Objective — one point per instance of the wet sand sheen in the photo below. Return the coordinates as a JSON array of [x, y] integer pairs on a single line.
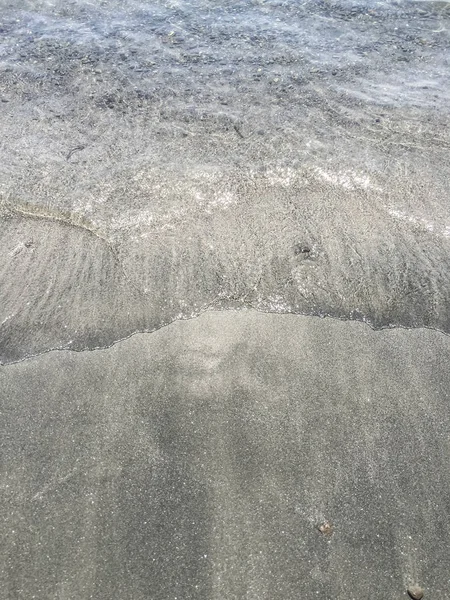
[[201, 461], [286, 241]]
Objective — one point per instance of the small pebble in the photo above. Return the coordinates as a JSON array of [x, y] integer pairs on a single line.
[[326, 528], [415, 592]]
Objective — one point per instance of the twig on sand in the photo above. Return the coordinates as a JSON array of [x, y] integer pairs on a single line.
[[76, 149], [238, 131]]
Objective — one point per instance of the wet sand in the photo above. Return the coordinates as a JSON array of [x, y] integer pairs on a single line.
[[201, 460], [185, 190]]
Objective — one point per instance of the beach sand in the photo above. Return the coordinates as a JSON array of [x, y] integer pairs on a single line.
[[224, 299], [202, 460]]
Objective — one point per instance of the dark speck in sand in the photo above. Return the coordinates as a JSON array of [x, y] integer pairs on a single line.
[[303, 249]]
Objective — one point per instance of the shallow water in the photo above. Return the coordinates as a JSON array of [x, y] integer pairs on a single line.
[[190, 149]]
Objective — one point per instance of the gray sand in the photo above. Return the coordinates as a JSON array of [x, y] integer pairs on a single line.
[[199, 462], [185, 188]]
